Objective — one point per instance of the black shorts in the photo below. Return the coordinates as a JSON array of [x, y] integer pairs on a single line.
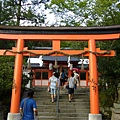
[[62, 82], [70, 90]]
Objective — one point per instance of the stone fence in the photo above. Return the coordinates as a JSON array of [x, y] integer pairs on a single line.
[[116, 107]]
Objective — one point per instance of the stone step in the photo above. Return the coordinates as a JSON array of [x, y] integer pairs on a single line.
[[79, 90], [62, 96], [63, 106], [61, 118], [65, 110], [85, 98], [77, 109], [63, 114], [62, 100], [61, 92], [44, 87], [63, 103]]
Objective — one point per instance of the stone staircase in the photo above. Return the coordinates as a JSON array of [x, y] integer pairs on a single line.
[[77, 109]]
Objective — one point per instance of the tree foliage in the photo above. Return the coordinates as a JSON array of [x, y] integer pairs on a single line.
[[86, 12], [6, 74], [23, 12]]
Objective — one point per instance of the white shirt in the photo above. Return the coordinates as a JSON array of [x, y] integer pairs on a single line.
[[71, 82], [76, 76], [53, 80]]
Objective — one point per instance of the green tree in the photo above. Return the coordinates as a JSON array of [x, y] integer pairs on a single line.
[[86, 12], [23, 12], [105, 13], [6, 80]]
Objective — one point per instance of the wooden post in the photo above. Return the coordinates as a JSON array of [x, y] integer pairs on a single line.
[[94, 100], [56, 45], [16, 87]]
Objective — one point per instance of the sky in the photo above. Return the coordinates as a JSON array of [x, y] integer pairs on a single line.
[[50, 17]]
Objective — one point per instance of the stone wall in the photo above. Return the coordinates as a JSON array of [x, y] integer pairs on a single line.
[[116, 107], [115, 112]]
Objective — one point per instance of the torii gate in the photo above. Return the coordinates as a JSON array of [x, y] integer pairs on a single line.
[[56, 35]]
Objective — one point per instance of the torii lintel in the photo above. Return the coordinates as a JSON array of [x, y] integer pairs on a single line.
[[84, 52]]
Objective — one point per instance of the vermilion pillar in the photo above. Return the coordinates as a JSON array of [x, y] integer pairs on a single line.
[[16, 87], [56, 45], [94, 100]]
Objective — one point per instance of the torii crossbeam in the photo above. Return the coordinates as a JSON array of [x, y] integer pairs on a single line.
[[56, 35]]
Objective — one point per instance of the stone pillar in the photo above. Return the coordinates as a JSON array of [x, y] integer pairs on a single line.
[[116, 107], [95, 117], [115, 111], [118, 100], [13, 116]]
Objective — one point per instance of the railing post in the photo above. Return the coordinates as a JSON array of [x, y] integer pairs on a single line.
[[57, 104]]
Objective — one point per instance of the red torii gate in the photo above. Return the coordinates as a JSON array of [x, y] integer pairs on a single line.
[[62, 34]]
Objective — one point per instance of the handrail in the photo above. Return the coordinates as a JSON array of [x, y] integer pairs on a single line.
[[57, 103]]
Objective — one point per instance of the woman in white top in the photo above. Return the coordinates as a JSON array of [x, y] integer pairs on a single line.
[[76, 76], [53, 82]]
